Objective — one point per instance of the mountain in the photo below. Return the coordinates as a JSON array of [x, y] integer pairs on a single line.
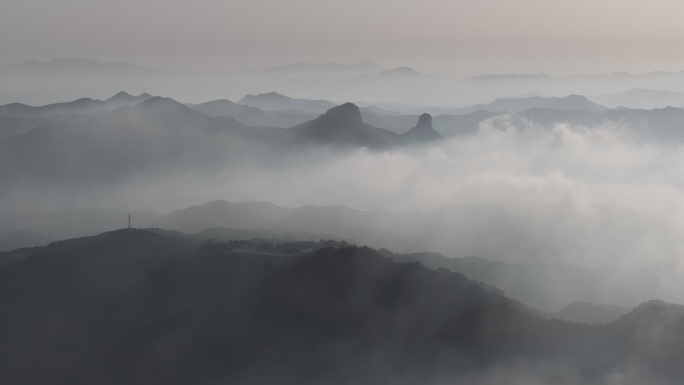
[[154, 137], [661, 125], [513, 105], [125, 99], [79, 106], [276, 102], [591, 313], [399, 72], [74, 223], [252, 116], [343, 125], [10, 126], [22, 238], [650, 349], [135, 305], [639, 98], [423, 131], [573, 102], [242, 215], [545, 285]]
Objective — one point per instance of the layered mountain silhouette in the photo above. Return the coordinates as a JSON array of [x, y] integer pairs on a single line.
[[423, 131], [649, 342], [253, 116], [12, 240], [80, 106], [343, 125], [134, 306], [590, 313], [161, 135], [274, 101], [571, 102], [639, 98]]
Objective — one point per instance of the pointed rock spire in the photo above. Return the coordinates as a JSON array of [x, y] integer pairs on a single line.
[[423, 131]]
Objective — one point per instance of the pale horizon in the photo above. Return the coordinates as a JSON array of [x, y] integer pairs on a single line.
[[461, 38]]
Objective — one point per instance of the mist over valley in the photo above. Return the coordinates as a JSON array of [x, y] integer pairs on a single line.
[[321, 192]]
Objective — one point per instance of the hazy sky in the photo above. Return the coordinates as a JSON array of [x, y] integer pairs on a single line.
[[459, 36]]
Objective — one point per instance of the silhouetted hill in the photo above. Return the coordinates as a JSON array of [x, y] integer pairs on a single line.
[[640, 98], [513, 105], [253, 116], [243, 215], [131, 306], [274, 101], [222, 234], [342, 125], [80, 106], [574, 102], [22, 238], [74, 223], [399, 72], [649, 345], [591, 313], [125, 99], [10, 126], [422, 132], [158, 135]]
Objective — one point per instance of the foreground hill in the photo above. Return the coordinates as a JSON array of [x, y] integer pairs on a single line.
[[99, 309], [136, 306], [650, 339]]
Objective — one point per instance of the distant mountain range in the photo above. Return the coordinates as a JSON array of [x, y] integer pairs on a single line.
[[276, 102], [127, 136], [571, 102], [164, 135], [545, 285], [41, 82], [643, 99], [80, 106]]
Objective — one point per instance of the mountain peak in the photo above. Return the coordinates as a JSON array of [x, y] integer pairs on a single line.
[[347, 114], [267, 96], [423, 131], [159, 100], [164, 104], [425, 120], [123, 95], [399, 72], [576, 98]]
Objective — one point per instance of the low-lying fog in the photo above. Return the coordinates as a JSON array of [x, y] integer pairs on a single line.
[[514, 191]]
